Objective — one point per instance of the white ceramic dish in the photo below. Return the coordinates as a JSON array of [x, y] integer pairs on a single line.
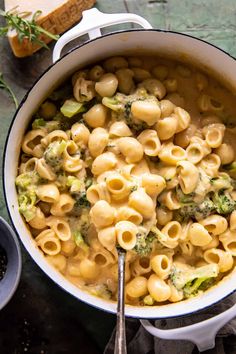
[[117, 43]]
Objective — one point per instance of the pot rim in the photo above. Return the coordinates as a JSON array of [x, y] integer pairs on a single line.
[[99, 307]]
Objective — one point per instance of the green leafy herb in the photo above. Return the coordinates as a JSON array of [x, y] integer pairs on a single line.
[[25, 28], [6, 87]]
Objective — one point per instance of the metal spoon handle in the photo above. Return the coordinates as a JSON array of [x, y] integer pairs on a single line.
[[120, 342]]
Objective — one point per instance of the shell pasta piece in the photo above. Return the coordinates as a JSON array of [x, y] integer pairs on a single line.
[[171, 153], [64, 205], [198, 235], [107, 237], [223, 259], [103, 163], [148, 112], [131, 149], [140, 201], [137, 287], [32, 142], [39, 220], [48, 242], [117, 186], [161, 265], [60, 227], [150, 141], [48, 193], [102, 214], [126, 233], [158, 289]]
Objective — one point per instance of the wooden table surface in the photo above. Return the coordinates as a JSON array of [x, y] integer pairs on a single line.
[[41, 318]]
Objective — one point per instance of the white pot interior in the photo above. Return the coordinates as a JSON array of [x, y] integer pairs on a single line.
[[153, 42]]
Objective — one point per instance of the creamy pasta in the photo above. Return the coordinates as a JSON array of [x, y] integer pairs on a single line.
[[138, 153]]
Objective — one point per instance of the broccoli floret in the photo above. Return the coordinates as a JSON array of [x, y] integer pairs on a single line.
[[148, 300], [144, 243], [204, 209], [195, 211], [27, 203], [193, 280], [38, 123], [80, 232], [100, 290], [231, 169], [223, 202], [220, 202], [53, 154], [88, 182], [63, 122], [79, 240], [74, 184], [184, 199], [221, 182], [28, 181], [122, 104], [114, 103], [53, 125], [72, 107], [134, 124], [81, 200], [23, 181]]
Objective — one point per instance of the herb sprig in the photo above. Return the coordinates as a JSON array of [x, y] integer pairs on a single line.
[[26, 29], [6, 87]]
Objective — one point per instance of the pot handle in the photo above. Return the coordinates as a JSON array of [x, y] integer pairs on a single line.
[[92, 21], [202, 334]]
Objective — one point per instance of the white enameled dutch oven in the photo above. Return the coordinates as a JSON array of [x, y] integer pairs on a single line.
[[145, 40]]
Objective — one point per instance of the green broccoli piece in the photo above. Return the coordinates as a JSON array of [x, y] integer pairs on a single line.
[[195, 211], [74, 184], [133, 124], [81, 203], [144, 243], [27, 203], [231, 169], [38, 123], [223, 202], [122, 104], [53, 154], [100, 290], [79, 240], [193, 280], [72, 107], [204, 209], [184, 199], [222, 182], [28, 181], [148, 300], [63, 122], [114, 103], [81, 200], [52, 125], [88, 182], [23, 181]]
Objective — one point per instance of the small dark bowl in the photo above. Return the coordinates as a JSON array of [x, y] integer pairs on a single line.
[[10, 281]]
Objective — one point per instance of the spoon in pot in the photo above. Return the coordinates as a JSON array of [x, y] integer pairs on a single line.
[[120, 341]]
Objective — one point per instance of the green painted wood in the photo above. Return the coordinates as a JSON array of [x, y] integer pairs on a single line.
[[212, 20]]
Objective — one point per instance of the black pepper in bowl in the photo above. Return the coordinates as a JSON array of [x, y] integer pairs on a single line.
[[3, 262]]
